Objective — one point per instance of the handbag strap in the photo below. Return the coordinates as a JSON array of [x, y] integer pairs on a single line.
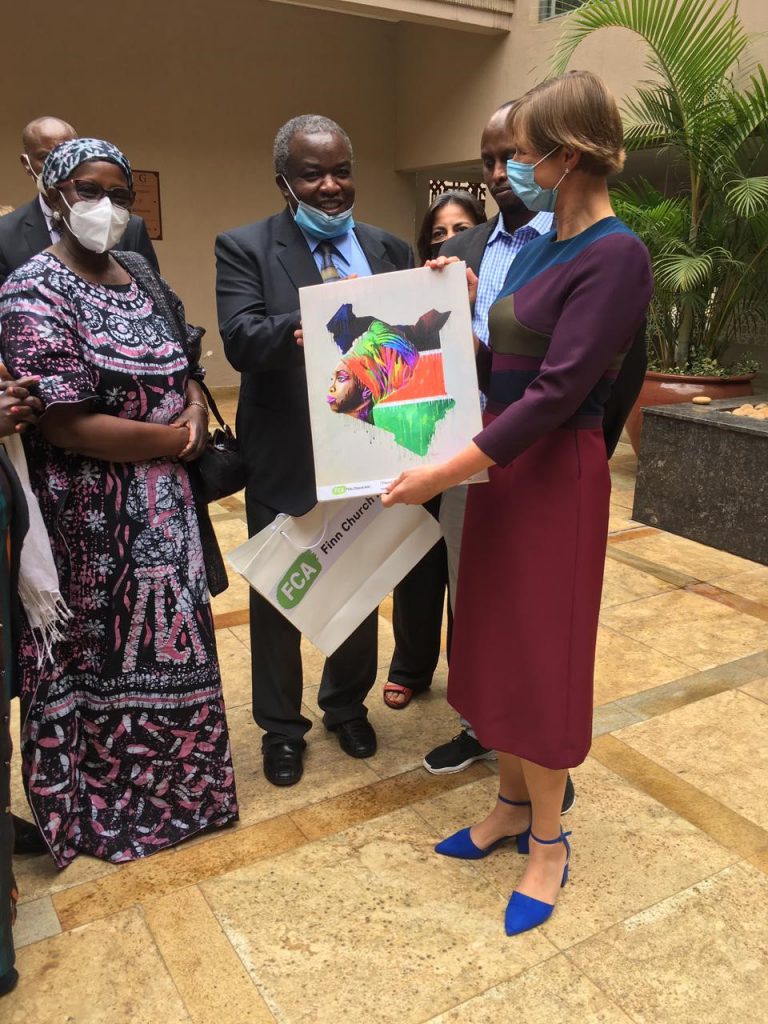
[[170, 308], [159, 291], [213, 407]]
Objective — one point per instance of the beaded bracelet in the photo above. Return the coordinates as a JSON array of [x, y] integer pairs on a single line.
[[201, 404]]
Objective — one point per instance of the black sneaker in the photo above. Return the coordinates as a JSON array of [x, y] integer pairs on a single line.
[[460, 753], [569, 798]]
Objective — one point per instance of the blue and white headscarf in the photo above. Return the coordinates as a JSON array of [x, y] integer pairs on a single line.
[[62, 160]]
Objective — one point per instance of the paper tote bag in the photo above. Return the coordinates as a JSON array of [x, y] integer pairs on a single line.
[[326, 571]]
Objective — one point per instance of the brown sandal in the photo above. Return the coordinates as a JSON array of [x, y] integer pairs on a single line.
[[406, 691]]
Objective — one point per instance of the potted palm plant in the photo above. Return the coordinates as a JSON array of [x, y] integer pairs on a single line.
[[706, 110]]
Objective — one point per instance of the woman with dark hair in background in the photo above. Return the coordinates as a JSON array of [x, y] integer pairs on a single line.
[[451, 213], [418, 601]]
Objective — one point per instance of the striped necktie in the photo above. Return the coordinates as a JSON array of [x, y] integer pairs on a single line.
[[328, 271]]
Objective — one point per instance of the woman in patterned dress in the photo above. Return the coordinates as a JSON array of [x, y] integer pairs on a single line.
[[534, 538], [124, 745]]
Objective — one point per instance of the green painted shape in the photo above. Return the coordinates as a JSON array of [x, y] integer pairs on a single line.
[[413, 424], [295, 584]]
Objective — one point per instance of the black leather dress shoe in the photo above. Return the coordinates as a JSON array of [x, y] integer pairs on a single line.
[[356, 737], [27, 838], [283, 762], [8, 981]]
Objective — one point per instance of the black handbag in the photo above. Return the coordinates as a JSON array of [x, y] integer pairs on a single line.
[[221, 468], [190, 337]]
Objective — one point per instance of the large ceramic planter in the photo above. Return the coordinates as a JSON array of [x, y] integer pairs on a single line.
[[670, 388], [699, 476]]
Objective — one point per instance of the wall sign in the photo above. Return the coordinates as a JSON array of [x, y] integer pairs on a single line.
[[146, 184]]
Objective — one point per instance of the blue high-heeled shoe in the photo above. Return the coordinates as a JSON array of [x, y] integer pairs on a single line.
[[524, 912], [460, 844]]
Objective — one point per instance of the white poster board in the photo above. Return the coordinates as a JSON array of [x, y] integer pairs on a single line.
[[390, 374]]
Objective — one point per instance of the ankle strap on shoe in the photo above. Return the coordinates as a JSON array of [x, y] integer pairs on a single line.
[[551, 842], [514, 803]]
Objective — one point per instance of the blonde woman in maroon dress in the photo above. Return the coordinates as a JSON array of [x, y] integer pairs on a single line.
[[534, 538]]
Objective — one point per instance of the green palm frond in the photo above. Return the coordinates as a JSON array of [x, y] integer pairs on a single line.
[[660, 221], [678, 33], [652, 119], [748, 196], [686, 272], [748, 113]]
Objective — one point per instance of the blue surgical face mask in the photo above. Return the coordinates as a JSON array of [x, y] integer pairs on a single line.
[[319, 224], [527, 189]]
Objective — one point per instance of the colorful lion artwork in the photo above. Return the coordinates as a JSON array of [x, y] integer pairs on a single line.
[[390, 376]]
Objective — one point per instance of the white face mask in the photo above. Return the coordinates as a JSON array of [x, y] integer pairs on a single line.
[[38, 177], [97, 224]]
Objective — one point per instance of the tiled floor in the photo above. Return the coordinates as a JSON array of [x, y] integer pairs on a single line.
[[326, 903]]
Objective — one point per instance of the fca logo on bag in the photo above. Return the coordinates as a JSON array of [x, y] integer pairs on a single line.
[[297, 581]]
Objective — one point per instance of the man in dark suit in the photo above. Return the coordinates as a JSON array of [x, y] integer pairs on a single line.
[[28, 230], [489, 250], [260, 268]]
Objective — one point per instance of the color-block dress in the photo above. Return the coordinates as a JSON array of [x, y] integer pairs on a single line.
[[534, 538], [124, 746]]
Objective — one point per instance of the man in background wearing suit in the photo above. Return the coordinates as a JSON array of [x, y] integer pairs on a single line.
[[29, 229], [489, 250], [260, 268]]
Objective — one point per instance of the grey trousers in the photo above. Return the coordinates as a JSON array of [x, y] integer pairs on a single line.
[[452, 505]]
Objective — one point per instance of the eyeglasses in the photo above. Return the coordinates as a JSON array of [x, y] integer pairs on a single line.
[[90, 190]]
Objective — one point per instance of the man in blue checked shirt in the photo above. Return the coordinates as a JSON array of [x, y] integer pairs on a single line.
[[489, 250]]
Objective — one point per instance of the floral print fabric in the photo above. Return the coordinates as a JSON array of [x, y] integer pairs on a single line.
[[124, 739]]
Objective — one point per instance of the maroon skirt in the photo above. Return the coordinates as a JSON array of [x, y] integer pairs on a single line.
[[528, 600]]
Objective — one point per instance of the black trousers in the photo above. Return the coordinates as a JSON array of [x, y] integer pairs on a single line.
[[7, 885], [417, 617], [276, 670]]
